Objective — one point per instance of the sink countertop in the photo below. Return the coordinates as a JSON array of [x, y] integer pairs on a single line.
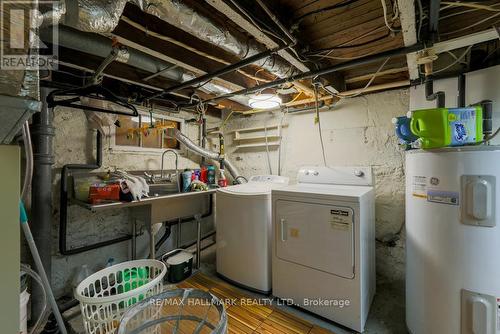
[[143, 201]]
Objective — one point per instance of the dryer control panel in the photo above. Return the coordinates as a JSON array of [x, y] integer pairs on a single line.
[[353, 176]]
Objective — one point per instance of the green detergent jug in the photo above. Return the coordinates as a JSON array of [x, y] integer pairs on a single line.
[[442, 127]]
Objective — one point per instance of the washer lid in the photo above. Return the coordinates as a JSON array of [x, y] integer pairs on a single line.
[[252, 188]]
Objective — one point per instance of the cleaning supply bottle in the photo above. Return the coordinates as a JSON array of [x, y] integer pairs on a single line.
[[222, 179], [403, 131], [442, 127]]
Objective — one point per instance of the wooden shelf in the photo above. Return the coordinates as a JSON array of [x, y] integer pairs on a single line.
[[259, 128], [258, 145], [257, 137]]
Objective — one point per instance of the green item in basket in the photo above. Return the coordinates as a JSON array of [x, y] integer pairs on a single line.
[[131, 279]]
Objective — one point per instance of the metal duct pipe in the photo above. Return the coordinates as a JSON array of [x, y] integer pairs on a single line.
[[175, 133], [100, 46], [43, 133], [102, 16]]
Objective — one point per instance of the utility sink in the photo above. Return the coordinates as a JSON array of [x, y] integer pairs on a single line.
[[165, 201]]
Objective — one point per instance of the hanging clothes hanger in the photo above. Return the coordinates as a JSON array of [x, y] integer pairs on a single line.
[[94, 90], [71, 98]]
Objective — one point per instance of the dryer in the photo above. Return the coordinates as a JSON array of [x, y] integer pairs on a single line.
[[324, 243], [243, 225]]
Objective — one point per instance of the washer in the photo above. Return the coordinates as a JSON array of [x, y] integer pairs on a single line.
[[324, 243], [243, 224]]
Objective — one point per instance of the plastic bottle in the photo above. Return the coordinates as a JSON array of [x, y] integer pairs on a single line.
[[403, 132], [444, 127], [211, 175], [82, 273], [186, 180], [222, 179]]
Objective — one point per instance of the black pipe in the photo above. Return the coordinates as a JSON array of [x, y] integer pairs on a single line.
[[461, 91], [41, 210], [63, 207], [487, 106], [164, 237], [185, 220], [430, 95], [433, 30], [323, 71], [224, 70]]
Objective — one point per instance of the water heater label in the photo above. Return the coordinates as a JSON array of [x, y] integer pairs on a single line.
[[419, 186], [443, 197]]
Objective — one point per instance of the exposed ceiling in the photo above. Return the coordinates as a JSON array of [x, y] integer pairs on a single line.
[[214, 34]]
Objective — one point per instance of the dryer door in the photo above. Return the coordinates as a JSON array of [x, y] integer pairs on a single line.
[[316, 235]]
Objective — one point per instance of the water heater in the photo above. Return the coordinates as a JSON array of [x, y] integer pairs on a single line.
[[453, 241]]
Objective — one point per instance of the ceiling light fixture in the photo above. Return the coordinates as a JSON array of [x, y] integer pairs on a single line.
[[264, 101]]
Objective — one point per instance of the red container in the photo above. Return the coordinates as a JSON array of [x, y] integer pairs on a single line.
[[99, 193], [222, 183], [204, 174]]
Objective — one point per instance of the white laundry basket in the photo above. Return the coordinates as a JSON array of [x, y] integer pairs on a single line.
[[107, 294]]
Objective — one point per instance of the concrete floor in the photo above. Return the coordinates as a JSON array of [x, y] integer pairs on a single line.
[[387, 314]]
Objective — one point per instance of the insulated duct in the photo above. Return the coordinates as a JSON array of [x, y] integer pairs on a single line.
[[102, 16], [16, 82], [101, 46], [190, 145]]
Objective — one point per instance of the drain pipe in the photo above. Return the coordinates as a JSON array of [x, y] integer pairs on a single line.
[[433, 33], [439, 97], [461, 91], [175, 133], [43, 132]]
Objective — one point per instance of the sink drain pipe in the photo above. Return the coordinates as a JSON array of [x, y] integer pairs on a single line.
[[190, 145]]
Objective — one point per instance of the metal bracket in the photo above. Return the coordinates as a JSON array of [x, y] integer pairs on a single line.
[[119, 52]]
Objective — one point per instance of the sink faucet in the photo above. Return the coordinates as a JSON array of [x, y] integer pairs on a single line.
[[176, 164]]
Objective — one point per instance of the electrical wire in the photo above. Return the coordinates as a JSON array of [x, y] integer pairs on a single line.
[[280, 141], [324, 9], [470, 5], [43, 312], [384, 8], [362, 90], [223, 125], [267, 150], [470, 26], [454, 62], [420, 18], [318, 121], [28, 172]]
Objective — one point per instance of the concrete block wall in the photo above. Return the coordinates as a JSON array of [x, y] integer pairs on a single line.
[[356, 132], [75, 143]]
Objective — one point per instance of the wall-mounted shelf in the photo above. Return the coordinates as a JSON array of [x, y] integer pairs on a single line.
[[260, 136], [272, 144]]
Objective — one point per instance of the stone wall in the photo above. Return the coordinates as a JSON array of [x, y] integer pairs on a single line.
[[74, 143], [356, 132]]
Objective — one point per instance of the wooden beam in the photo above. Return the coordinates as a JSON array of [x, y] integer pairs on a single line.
[[133, 75], [409, 30], [381, 73], [261, 37], [464, 41], [371, 89], [133, 37]]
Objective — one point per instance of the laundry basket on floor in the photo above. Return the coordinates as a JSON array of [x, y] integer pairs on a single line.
[[107, 294], [176, 311]]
